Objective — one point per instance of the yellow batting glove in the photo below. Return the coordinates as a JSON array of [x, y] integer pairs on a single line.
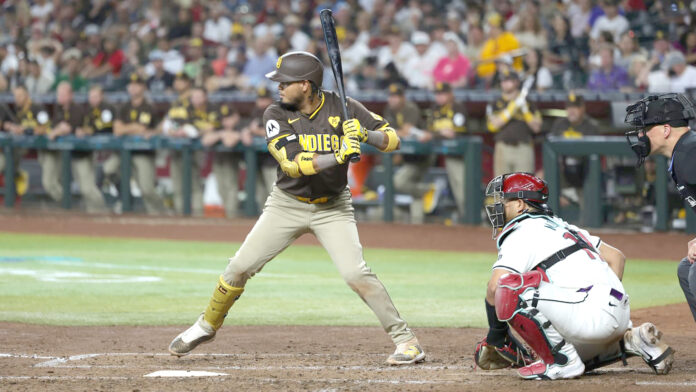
[[350, 146], [353, 128]]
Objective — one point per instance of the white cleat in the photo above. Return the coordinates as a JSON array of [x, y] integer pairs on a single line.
[[200, 332], [645, 341]]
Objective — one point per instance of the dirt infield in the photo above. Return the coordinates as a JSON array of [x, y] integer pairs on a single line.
[[48, 358]]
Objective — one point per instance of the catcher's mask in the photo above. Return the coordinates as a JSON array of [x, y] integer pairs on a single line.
[[673, 109], [533, 190]]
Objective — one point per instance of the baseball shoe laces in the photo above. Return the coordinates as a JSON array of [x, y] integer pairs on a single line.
[[407, 353], [200, 332], [646, 342]]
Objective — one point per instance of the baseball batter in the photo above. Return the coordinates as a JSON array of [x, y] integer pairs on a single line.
[[559, 288], [311, 141]]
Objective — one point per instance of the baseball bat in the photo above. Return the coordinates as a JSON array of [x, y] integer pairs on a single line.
[[327, 24]]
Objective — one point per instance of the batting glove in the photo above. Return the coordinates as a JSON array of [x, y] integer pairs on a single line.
[[353, 128]]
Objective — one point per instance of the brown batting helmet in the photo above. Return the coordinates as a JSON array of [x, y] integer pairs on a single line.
[[297, 66]]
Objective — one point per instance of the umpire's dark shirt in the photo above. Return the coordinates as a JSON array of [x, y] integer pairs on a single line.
[[682, 167]]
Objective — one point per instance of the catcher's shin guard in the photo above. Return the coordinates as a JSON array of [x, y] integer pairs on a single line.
[[222, 300]]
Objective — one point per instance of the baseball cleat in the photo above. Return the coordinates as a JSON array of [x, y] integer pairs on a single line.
[[198, 333], [407, 353], [645, 341]]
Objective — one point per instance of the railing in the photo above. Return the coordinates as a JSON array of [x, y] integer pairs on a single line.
[[593, 147], [468, 147]]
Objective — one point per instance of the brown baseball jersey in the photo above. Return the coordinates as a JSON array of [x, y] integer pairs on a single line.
[[563, 127], [143, 114], [100, 119], [410, 113], [449, 116], [516, 130], [33, 117], [210, 115], [72, 114], [319, 132]]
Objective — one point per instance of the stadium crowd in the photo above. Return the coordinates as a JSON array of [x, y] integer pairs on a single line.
[[192, 48]]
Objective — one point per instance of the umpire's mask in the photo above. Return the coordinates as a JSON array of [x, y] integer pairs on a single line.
[[673, 109]]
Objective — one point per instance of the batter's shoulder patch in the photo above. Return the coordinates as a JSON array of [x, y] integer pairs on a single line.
[[272, 128]]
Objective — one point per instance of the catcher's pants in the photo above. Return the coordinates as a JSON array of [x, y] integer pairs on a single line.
[[285, 218], [144, 172], [176, 172], [593, 321], [687, 280], [510, 158], [83, 173]]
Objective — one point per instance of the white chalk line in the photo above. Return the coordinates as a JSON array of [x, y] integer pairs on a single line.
[[667, 384], [30, 356]]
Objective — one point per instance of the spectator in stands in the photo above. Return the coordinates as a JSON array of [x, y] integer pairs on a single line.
[[218, 124], [231, 80], [534, 66], [253, 128], [453, 68], [46, 52], [299, 40], [611, 21], [475, 39], [418, 70], [217, 27], [682, 76], [160, 81], [499, 42], [687, 45], [628, 46], [37, 81], [260, 61], [68, 118], [661, 45], [8, 62], [529, 32], [579, 16], [406, 118], [353, 52], [41, 10], [609, 76], [70, 71], [180, 30], [196, 61], [173, 60], [397, 52], [514, 120], [138, 117], [575, 125], [108, 61], [447, 120]]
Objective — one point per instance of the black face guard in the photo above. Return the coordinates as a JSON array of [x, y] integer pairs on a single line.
[[494, 204], [637, 116]]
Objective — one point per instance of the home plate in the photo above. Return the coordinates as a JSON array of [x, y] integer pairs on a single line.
[[184, 373]]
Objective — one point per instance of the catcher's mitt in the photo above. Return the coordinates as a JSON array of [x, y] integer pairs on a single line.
[[511, 353]]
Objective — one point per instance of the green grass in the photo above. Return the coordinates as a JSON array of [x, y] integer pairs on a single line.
[[71, 280]]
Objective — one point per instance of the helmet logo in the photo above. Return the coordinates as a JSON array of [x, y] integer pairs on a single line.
[[334, 120], [280, 60]]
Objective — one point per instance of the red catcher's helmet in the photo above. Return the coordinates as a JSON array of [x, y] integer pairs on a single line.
[[533, 190]]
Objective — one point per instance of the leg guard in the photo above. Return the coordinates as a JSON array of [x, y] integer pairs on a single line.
[[510, 287], [222, 300]]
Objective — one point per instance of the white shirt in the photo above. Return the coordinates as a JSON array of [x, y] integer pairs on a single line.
[[217, 30], [402, 55], [354, 56], [532, 238], [579, 20], [9, 63], [419, 69], [299, 40], [616, 26], [41, 11], [687, 79], [658, 82]]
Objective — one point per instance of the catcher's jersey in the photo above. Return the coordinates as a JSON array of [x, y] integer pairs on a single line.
[[530, 238], [320, 133]]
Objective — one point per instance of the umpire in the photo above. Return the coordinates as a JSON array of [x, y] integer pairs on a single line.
[[662, 127]]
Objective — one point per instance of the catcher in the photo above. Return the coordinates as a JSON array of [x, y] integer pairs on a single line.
[[560, 289]]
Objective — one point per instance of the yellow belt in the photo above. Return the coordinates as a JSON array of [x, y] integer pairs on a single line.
[[319, 200]]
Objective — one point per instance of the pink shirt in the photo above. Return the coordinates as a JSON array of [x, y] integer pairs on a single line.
[[451, 70]]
